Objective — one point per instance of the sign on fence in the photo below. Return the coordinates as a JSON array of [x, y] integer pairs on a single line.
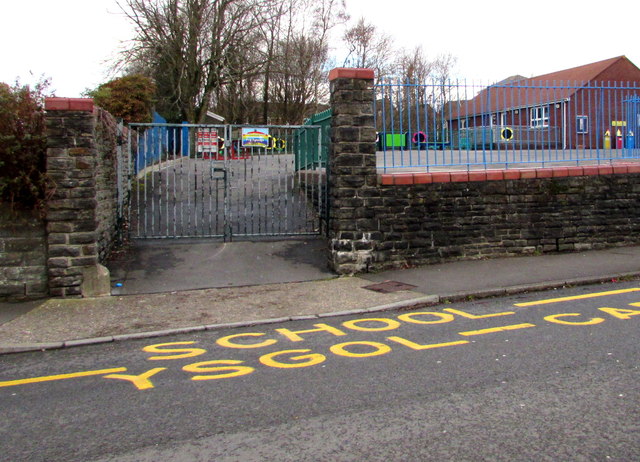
[[207, 140], [255, 137]]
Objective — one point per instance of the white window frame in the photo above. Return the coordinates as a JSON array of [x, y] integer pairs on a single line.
[[503, 119], [462, 124], [539, 117], [585, 125]]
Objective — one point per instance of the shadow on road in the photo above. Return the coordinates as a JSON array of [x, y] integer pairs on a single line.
[[160, 265]]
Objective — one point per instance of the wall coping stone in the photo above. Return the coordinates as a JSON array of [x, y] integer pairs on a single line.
[[68, 104], [350, 73], [411, 178]]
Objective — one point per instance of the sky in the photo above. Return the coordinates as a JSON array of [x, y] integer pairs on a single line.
[[72, 41]]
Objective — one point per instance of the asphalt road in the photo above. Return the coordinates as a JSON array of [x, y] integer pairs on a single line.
[[482, 380], [261, 195]]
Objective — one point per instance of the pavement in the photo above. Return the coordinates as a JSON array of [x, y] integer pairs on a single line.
[[163, 288]]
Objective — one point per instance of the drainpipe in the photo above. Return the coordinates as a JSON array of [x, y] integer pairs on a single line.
[[564, 123]]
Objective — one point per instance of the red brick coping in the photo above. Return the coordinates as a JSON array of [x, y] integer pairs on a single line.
[[496, 175], [350, 73], [68, 104]]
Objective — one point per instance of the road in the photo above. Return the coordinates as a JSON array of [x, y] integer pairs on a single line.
[[544, 376], [259, 195]]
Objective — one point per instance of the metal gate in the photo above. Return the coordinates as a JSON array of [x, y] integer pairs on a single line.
[[223, 181]]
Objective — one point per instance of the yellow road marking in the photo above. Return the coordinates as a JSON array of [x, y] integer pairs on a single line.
[[417, 346], [50, 378], [477, 316], [141, 381], [554, 318], [578, 297], [496, 329]]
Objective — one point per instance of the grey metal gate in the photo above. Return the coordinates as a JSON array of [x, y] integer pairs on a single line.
[[223, 181]]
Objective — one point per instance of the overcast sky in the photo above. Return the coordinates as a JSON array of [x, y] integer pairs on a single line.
[[70, 41]]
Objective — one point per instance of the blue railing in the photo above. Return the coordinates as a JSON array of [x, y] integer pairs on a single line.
[[453, 125]]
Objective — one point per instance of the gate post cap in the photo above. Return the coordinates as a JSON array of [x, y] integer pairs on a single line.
[[68, 104], [351, 73]]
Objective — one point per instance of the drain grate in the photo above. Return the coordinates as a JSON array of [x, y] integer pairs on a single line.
[[387, 287]]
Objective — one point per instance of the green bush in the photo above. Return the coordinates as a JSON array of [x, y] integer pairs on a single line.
[[23, 145], [129, 98]]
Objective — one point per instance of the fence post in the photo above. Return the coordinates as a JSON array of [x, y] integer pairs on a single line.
[[352, 171]]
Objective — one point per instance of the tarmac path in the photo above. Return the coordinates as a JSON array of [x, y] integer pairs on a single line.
[[544, 376]]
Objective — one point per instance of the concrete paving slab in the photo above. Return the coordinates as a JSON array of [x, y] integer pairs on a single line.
[[155, 266], [12, 310], [87, 318], [47, 323], [486, 275]]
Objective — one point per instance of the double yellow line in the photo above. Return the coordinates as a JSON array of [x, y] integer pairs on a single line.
[[51, 378]]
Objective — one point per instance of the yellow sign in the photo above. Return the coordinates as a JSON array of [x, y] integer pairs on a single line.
[[618, 123], [506, 134]]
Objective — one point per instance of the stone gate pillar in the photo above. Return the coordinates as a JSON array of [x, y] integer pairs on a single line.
[[72, 258], [352, 171]]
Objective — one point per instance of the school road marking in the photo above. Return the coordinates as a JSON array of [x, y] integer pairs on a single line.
[[578, 297], [51, 378], [492, 330]]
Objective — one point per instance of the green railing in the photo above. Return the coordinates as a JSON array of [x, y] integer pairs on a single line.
[[312, 143]]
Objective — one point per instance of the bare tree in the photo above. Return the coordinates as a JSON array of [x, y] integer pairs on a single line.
[[413, 66], [248, 59], [443, 67], [429, 94], [193, 47], [295, 74], [367, 47], [296, 84]]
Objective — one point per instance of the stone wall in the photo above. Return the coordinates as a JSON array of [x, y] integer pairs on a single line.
[[406, 219], [106, 190], [60, 254], [353, 179], [23, 266], [81, 211], [438, 217]]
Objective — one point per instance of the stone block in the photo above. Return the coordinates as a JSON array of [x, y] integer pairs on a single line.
[[84, 260], [82, 238], [84, 164], [64, 251], [36, 288], [73, 291], [60, 163], [96, 281], [64, 272], [65, 281], [348, 160]]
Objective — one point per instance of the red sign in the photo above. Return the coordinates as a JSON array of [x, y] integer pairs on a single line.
[[207, 141]]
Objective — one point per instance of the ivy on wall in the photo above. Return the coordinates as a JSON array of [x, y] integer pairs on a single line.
[[23, 145]]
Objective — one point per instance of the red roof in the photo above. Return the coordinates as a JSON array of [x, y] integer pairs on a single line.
[[546, 88]]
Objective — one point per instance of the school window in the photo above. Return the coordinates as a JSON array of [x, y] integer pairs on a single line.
[[503, 119], [539, 117], [462, 123], [582, 124]]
